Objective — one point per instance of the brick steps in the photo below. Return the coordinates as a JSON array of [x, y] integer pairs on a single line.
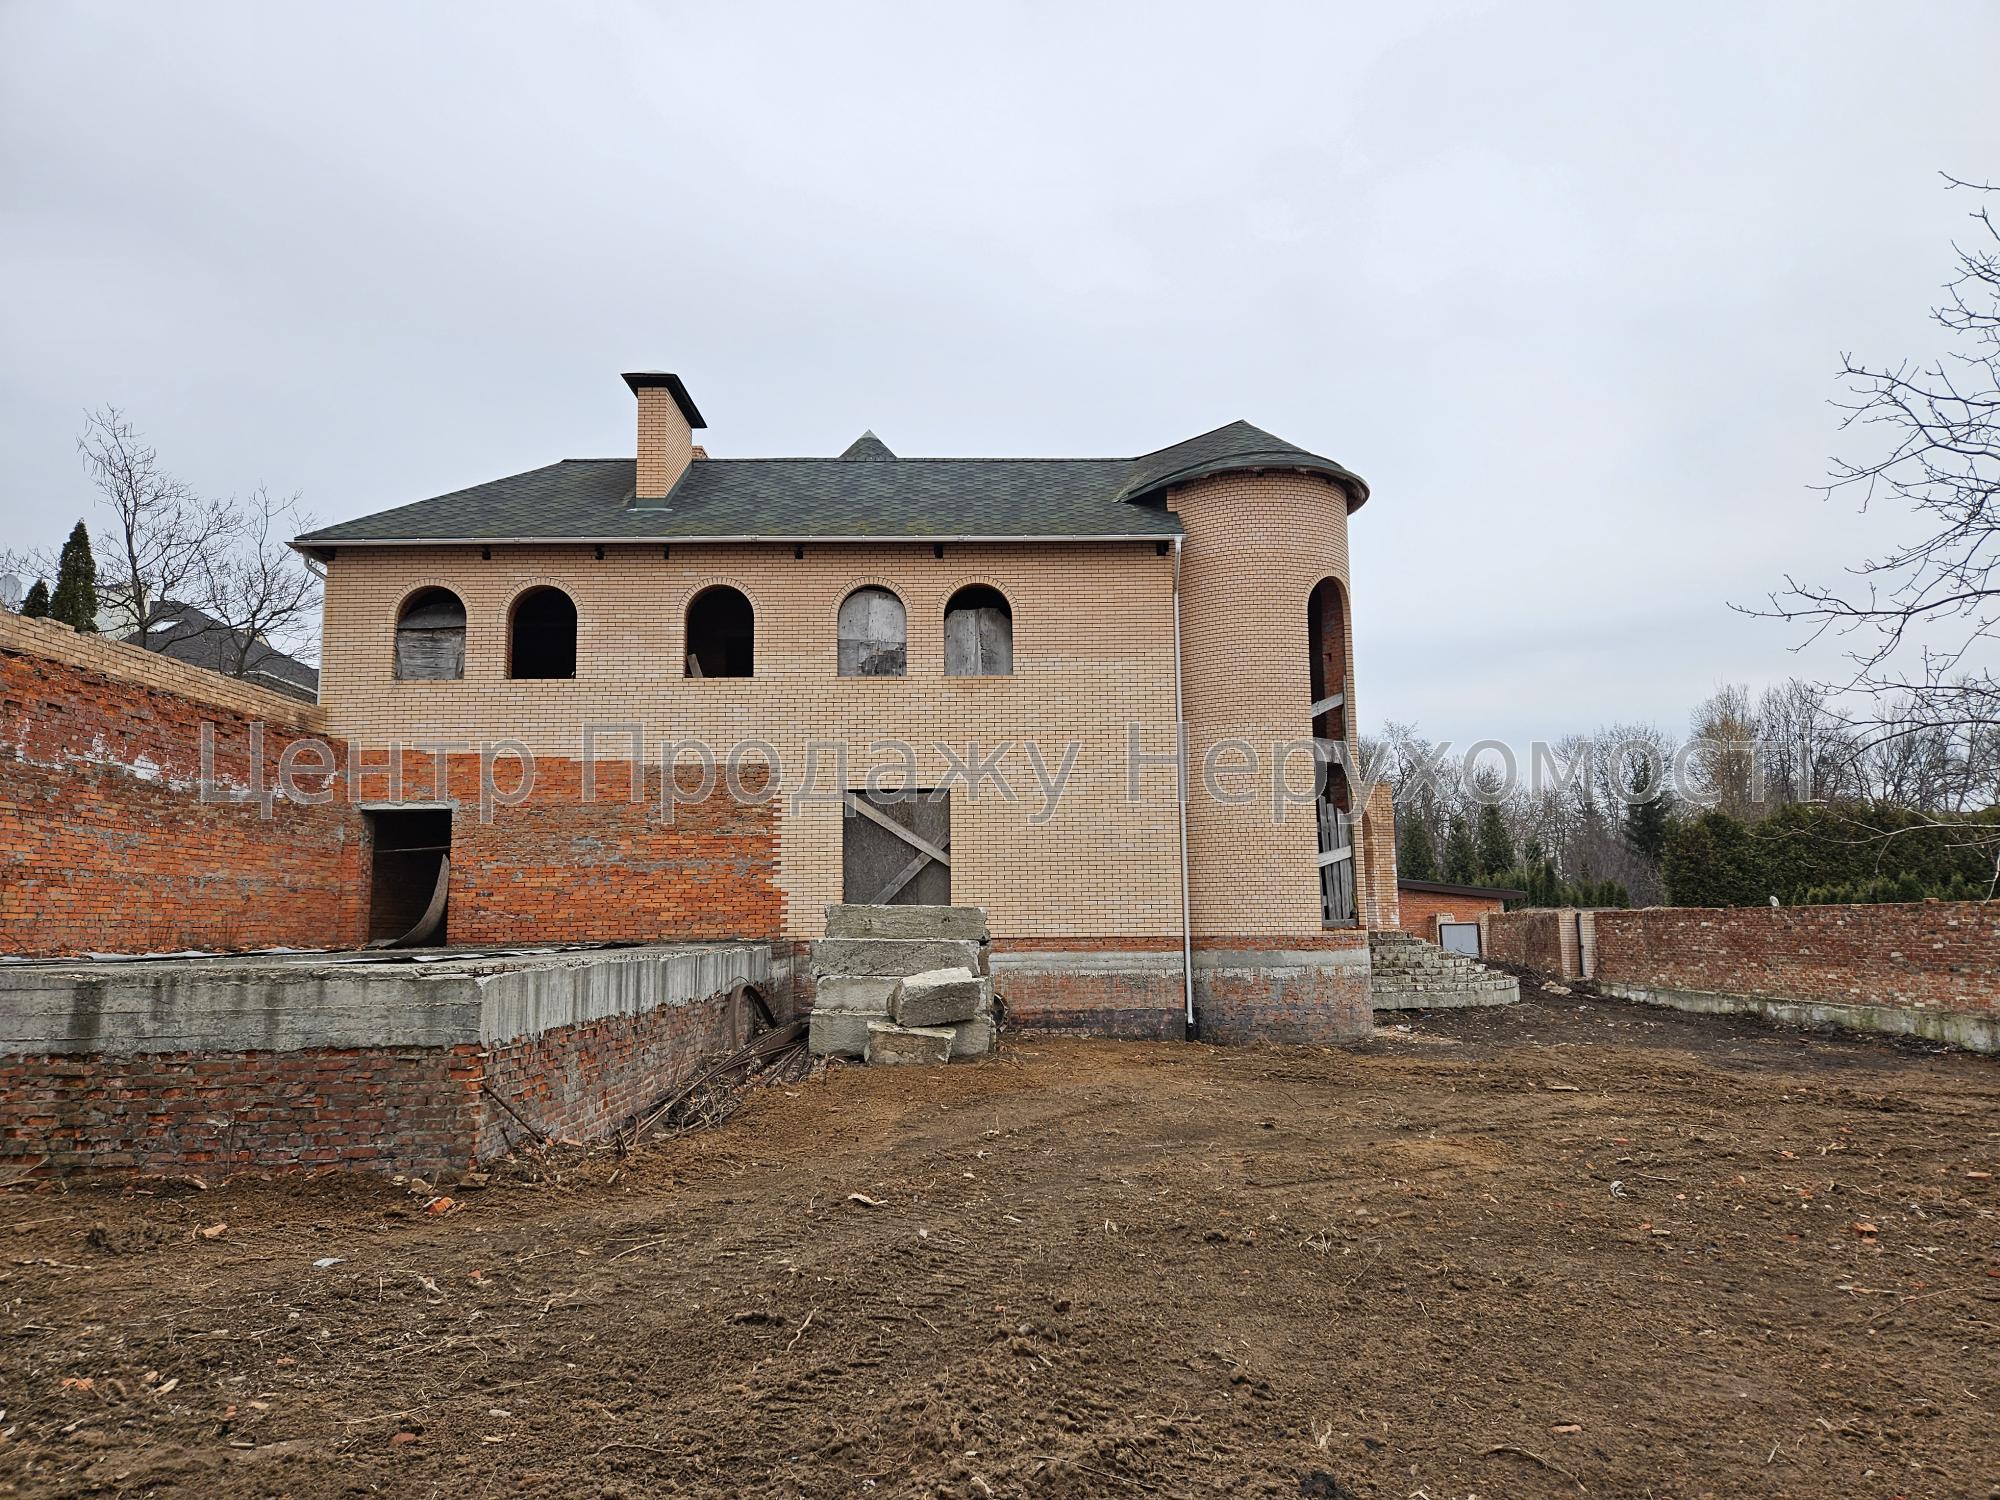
[[1407, 973]]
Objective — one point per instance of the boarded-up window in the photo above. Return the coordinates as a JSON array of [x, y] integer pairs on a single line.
[[430, 637], [541, 636], [872, 634], [721, 634], [978, 634], [895, 849]]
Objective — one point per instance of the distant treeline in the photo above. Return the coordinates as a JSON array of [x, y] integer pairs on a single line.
[[1815, 854]]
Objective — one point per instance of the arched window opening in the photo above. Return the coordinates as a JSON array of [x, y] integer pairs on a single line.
[[721, 634], [1326, 633], [978, 633], [873, 634], [430, 637], [1326, 645], [541, 636]]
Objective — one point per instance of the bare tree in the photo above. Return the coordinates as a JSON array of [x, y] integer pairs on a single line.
[[259, 592], [162, 531], [1727, 754], [172, 551], [1809, 754], [1920, 619]]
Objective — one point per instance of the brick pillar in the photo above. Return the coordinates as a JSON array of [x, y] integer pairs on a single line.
[[1375, 868]]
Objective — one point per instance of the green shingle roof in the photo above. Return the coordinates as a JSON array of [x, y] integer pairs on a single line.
[[866, 493]]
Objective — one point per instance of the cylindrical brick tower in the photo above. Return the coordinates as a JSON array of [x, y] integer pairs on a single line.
[[1274, 829]]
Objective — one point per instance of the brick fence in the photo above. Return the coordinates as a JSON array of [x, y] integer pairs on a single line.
[[1929, 968], [1544, 940], [106, 842]]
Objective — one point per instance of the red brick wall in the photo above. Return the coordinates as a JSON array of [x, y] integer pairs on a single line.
[[383, 1109], [1543, 940], [1942, 955], [583, 1082], [1421, 910], [610, 869], [105, 844], [1309, 990]]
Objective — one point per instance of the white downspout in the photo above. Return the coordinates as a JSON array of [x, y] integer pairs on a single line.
[[1181, 799]]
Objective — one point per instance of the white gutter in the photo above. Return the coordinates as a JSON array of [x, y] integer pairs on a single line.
[[1181, 798]]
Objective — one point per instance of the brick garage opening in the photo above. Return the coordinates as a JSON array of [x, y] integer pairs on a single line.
[[408, 869]]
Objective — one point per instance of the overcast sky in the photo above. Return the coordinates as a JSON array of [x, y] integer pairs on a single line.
[[1566, 283]]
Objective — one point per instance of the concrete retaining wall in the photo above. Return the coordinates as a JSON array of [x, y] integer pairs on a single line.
[[270, 1064]]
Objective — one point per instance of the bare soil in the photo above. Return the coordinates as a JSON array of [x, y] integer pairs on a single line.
[[1572, 1247]]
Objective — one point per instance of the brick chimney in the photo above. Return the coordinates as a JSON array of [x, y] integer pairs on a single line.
[[667, 422]]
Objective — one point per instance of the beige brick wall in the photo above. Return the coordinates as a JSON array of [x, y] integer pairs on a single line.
[[1093, 642], [1256, 545], [1381, 902]]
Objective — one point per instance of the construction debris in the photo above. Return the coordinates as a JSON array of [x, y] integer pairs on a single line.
[[717, 1091], [902, 984]]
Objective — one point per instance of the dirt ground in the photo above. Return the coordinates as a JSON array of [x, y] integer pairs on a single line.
[[1573, 1247]]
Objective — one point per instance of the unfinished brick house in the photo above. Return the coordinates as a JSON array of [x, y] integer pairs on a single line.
[[794, 614]]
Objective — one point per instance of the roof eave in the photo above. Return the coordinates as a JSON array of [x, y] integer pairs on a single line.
[[314, 545], [1351, 484]]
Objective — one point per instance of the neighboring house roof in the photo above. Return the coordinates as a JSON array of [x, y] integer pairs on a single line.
[[867, 493], [188, 635], [1441, 888]]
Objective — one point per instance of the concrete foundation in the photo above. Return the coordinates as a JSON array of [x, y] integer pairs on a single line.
[[1308, 995], [291, 1002], [421, 1062], [1975, 1033]]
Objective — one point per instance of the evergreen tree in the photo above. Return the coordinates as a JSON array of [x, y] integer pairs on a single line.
[[1496, 844], [1646, 816], [74, 601], [36, 605], [1416, 851], [1461, 853]]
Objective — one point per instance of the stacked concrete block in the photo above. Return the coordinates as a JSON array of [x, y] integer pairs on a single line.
[[903, 984]]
